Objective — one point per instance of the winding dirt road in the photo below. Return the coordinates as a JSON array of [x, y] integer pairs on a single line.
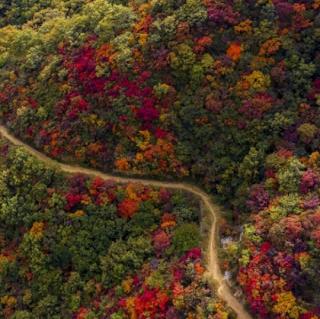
[[213, 267]]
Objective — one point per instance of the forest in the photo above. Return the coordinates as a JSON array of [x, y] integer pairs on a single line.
[[222, 93], [80, 247]]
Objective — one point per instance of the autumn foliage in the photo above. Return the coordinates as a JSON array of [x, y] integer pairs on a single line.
[[224, 93], [88, 247]]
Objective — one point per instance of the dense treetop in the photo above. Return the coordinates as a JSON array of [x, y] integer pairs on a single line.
[[223, 92], [190, 88], [75, 247]]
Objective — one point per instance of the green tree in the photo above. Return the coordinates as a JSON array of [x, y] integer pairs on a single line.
[[124, 258], [185, 237]]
